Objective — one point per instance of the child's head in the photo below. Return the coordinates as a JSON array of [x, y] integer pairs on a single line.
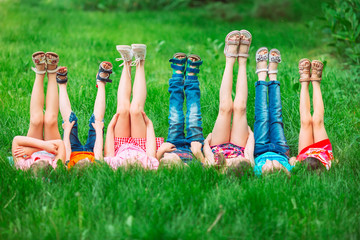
[[82, 163], [40, 166], [312, 163], [240, 169], [170, 159]]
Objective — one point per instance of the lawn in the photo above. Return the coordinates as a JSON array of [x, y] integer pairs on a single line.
[[179, 203]]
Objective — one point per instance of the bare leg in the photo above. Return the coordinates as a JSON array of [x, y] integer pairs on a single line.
[[221, 130], [51, 129], [306, 137], [64, 102], [36, 107], [318, 116], [99, 106], [138, 126], [122, 127], [239, 130]]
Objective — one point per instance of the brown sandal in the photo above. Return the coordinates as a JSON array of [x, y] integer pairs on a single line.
[[39, 61], [316, 70], [304, 70], [229, 42], [52, 61]]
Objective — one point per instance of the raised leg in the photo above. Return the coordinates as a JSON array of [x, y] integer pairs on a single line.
[[36, 108], [221, 130], [138, 126], [239, 130], [318, 116], [277, 136], [122, 127], [51, 129], [261, 125], [194, 131], [306, 137]]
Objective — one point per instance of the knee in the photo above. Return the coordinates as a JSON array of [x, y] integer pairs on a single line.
[[123, 110], [240, 108], [136, 109], [50, 120], [37, 120], [225, 108], [306, 122], [318, 121]]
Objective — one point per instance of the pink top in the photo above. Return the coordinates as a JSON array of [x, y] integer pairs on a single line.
[[129, 154], [25, 164]]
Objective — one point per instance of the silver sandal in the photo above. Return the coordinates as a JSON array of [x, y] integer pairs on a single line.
[[274, 59], [260, 58]]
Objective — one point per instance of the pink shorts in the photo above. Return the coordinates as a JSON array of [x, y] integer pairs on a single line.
[[140, 142]]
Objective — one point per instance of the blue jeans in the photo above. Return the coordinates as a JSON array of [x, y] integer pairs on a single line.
[[179, 89], [76, 145], [268, 127]]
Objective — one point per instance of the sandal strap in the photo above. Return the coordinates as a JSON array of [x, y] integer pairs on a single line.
[[261, 57], [120, 59], [196, 64], [53, 71], [192, 70], [233, 42], [38, 71], [103, 70], [177, 67], [245, 42], [272, 71], [177, 61], [261, 70], [235, 55], [274, 59], [59, 80], [243, 55]]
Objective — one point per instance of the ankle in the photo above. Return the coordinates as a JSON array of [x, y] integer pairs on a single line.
[[273, 77], [242, 60]]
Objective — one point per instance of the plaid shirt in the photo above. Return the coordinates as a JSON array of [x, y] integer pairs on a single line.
[[140, 142]]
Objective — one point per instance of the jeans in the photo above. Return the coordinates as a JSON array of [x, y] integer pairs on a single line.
[[179, 89], [268, 127], [76, 145]]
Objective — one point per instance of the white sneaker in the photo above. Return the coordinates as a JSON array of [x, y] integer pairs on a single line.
[[125, 52], [139, 51]]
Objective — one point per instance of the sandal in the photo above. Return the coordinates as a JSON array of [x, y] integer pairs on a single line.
[[193, 67], [274, 59], [246, 41], [261, 57], [229, 42], [139, 51], [39, 61], [175, 60], [52, 61], [316, 69], [304, 70], [125, 52], [103, 70], [59, 75]]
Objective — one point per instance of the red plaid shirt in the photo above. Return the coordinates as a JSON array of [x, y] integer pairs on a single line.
[[140, 142]]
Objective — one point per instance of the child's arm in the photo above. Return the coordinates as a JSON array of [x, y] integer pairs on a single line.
[[249, 148], [150, 137], [61, 153], [209, 155], [196, 150], [109, 149], [98, 146], [67, 126], [164, 148]]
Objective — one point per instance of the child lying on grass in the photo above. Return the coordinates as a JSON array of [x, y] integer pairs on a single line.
[[232, 145], [314, 145], [76, 153], [42, 147], [271, 149], [130, 138], [183, 83]]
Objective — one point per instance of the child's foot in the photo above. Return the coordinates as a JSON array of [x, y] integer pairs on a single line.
[[245, 42], [52, 60], [61, 75], [179, 60], [126, 54], [192, 67], [105, 69], [232, 42], [316, 70], [261, 63], [304, 70], [274, 60], [39, 61], [139, 51]]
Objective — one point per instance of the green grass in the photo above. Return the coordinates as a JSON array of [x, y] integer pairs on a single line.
[[176, 203]]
